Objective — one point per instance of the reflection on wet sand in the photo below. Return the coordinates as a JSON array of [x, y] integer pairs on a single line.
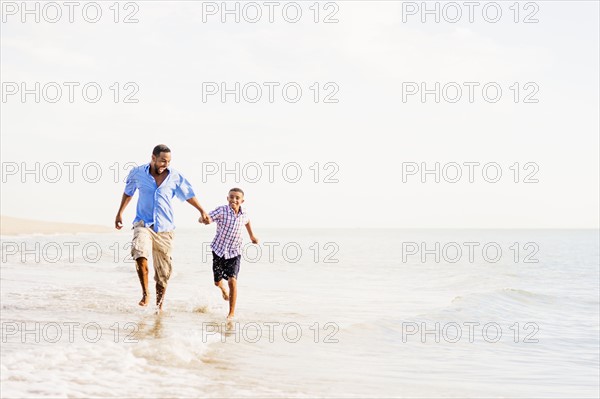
[[150, 327]]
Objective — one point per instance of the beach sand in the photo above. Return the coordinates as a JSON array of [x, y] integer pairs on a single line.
[[16, 226]]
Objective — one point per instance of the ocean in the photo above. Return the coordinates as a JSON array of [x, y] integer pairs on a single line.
[[320, 313]]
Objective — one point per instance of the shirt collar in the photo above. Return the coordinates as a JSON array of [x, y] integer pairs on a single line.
[[232, 211]]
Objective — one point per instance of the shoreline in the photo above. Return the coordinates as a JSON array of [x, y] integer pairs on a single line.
[[11, 226]]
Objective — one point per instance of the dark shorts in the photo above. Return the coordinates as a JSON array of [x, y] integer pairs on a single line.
[[225, 268]]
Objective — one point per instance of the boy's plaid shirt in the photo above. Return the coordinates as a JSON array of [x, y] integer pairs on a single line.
[[228, 240]]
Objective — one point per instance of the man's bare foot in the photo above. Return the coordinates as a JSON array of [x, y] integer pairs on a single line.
[[144, 301], [160, 295]]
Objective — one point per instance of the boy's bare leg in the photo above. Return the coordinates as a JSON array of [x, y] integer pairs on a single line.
[[141, 266], [232, 297], [221, 286]]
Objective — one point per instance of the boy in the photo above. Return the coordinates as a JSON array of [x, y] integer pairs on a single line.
[[227, 244]]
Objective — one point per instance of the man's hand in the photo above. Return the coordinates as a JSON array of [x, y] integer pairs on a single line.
[[119, 219], [254, 240], [119, 222]]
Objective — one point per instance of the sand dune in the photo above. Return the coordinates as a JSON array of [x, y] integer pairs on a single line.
[[15, 226]]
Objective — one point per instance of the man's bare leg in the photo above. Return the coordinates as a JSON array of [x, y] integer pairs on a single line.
[[232, 296], [141, 266], [221, 286], [160, 295]]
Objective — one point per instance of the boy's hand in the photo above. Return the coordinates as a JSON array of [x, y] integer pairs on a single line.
[[254, 240]]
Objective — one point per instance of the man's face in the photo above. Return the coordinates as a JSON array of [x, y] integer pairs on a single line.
[[235, 200], [161, 162]]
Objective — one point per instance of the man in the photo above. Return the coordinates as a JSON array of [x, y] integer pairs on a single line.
[[153, 225]]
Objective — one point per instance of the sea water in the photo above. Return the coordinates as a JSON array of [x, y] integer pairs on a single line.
[[320, 313]]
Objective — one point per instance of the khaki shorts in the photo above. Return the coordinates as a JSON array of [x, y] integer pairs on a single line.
[[147, 241]]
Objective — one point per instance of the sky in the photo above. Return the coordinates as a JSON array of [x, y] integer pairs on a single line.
[[351, 149]]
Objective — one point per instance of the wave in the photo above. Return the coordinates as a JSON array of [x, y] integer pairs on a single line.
[[503, 305]]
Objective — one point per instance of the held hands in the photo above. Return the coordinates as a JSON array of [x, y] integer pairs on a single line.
[[204, 218]]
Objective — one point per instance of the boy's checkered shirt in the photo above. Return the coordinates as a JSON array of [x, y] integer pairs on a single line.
[[228, 240]]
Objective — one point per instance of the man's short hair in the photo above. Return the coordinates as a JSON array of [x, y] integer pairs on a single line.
[[237, 190], [160, 148]]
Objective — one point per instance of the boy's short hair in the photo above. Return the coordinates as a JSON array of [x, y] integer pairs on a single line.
[[237, 190]]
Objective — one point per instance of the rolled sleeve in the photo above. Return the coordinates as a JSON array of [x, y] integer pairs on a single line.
[[184, 190], [131, 183], [216, 214]]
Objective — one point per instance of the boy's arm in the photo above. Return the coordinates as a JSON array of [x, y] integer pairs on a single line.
[[252, 238]]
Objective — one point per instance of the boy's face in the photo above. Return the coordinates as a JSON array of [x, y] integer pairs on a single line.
[[235, 200]]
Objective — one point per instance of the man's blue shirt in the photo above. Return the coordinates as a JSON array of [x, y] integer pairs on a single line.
[[154, 205]]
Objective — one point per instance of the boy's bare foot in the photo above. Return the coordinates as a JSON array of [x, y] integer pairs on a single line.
[[145, 300]]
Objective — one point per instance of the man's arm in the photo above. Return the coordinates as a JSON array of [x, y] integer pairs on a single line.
[[204, 218], [119, 219], [252, 238]]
